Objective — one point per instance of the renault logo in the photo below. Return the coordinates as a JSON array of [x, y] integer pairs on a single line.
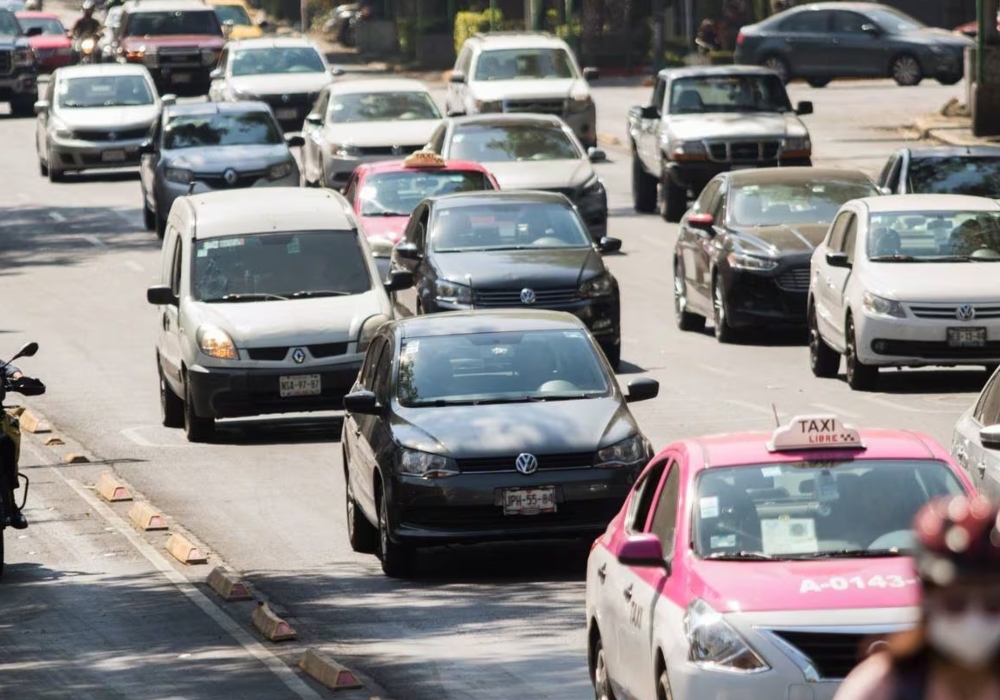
[[230, 176], [112, 136], [526, 464], [527, 296], [298, 356], [965, 312], [284, 98]]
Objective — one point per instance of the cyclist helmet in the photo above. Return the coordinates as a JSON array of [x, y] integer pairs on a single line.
[[957, 538]]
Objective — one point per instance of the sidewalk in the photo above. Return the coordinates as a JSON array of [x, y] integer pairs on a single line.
[[950, 127]]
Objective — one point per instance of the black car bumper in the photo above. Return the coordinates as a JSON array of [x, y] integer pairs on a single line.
[[601, 315], [19, 86], [696, 174], [231, 393], [767, 299], [181, 81]]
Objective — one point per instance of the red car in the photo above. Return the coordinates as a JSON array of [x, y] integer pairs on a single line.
[[385, 193], [971, 29], [53, 48]]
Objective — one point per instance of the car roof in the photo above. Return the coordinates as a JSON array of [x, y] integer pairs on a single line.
[[95, 70], [271, 42], [31, 14], [931, 202], [698, 71], [469, 322], [395, 166], [514, 40], [487, 197], [264, 209], [134, 6], [502, 119], [791, 175], [952, 151], [192, 108], [350, 87], [844, 6]]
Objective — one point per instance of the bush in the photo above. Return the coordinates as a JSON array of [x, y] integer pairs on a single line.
[[720, 58], [673, 60], [469, 23]]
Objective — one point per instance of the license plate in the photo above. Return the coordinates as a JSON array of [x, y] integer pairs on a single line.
[[286, 113], [181, 77], [300, 385], [529, 501], [966, 337], [113, 156]]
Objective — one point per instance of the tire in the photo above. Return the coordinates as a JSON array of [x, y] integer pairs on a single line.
[[686, 321], [950, 79], [160, 224], [55, 174], [22, 109], [674, 199], [823, 360], [779, 66], [362, 535], [613, 353], [724, 333], [171, 405], [43, 169], [603, 689], [663, 691], [196, 428], [860, 377], [818, 82], [396, 559], [643, 188], [148, 217], [905, 70]]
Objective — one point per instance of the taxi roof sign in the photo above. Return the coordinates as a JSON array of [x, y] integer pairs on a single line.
[[814, 433], [424, 159]]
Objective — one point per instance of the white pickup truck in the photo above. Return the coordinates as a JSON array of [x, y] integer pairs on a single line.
[[707, 120]]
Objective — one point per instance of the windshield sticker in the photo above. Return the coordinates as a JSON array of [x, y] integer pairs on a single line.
[[209, 245], [722, 541], [709, 507], [202, 253], [231, 242], [789, 536], [826, 487], [770, 471], [411, 348], [458, 138], [293, 247], [858, 583]]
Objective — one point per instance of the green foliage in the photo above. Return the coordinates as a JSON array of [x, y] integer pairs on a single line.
[[720, 58], [469, 23], [673, 60]]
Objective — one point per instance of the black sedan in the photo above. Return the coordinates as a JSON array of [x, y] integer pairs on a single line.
[[489, 250], [943, 170], [827, 40], [480, 426], [743, 251]]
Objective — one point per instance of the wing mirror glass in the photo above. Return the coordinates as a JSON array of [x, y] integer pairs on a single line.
[[363, 402], [408, 251], [591, 74], [27, 350], [216, 74], [295, 140], [147, 148], [871, 29], [314, 118], [399, 280], [805, 107], [838, 260], [336, 72], [596, 155], [457, 77], [642, 389], [642, 550], [649, 112], [609, 245], [161, 295], [41, 106], [990, 437]]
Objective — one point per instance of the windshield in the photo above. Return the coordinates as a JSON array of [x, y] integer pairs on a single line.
[[507, 226], [381, 107], [976, 176], [197, 130], [172, 23], [50, 26], [499, 368], [799, 510], [525, 64], [233, 13], [277, 60], [728, 93], [935, 236], [515, 142], [104, 91], [894, 21], [8, 23], [279, 266], [794, 202], [398, 194]]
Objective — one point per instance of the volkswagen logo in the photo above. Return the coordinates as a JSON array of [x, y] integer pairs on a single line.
[[965, 312], [298, 356], [527, 296], [230, 176], [284, 98], [526, 464], [397, 150]]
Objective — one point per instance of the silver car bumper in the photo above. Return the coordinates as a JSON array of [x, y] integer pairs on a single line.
[[71, 154]]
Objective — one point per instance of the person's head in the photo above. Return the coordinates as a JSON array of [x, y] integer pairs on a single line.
[[88, 9]]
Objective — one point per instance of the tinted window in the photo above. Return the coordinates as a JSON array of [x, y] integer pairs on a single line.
[[381, 106], [979, 177], [225, 129], [930, 236], [837, 230], [892, 20], [500, 367], [794, 202], [665, 516], [807, 21], [705, 198], [8, 24], [531, 64], [497, 144], [728, 93], [851, 238], [398, 194], [233, 13], [642, 498], [277, 60], [279, 266], [507, 226], [849, 22], [49, 25], [104, 91], [172, 23]]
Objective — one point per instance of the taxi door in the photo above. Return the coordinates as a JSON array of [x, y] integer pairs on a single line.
[[831, 279]]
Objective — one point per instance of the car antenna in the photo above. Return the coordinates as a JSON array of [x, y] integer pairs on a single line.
[[472, 296], [777, 421], [191, 187]]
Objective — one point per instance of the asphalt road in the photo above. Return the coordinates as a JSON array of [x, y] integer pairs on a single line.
[[484, 623]]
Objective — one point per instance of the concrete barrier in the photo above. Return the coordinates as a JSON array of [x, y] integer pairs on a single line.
[[31, 423], [54, 441], [76, 458], [270, 625], [145, 517], [109, 488], [183, 551], [328, 672], [227, 585]]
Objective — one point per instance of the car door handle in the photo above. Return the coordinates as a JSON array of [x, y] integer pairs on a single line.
[[961, 454], [602, 573], [166, 322], [628, 592], [981, 468]]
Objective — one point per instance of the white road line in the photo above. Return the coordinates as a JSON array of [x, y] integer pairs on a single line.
[[56, 216], [719, 372], [94, 241], [133, 435], [837, 410], [133, 265]]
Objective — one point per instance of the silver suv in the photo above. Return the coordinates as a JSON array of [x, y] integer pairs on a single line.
[[533, 72]]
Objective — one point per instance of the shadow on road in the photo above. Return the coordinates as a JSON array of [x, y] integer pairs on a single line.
[[101, 176], [279, 431], [930, 381]]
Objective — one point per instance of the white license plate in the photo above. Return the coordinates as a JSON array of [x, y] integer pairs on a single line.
[[966, 337], [300, 385], [529, 501], [286, 113], [113, 156], [181, 77]]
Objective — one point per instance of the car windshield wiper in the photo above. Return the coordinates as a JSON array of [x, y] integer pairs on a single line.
[[896, 258], [500, 400], [247, 297], [726, 556], [852, 554], [308, 293], [385, 213]]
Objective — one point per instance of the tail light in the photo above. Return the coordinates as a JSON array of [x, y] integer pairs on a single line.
[[739, 38]]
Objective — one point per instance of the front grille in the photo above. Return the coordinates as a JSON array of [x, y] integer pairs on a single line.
[[832, 654], [218, 182], [389, 150], [298, 100], [170, 58], [6, 61], [512, 297], [935, 350], [556, 107], [744, 151], [111, 134], [277, 354], [950, 311], [576, 513], [574, 460], [795, 279]]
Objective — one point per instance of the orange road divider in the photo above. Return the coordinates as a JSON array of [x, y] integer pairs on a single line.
[[328, 672], [110, 489], [76, 458], [31, 423], [227, 585], [145, 517], [183, 551], [270, 625]]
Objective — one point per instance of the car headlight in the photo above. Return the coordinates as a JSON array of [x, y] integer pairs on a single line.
[[215, 342], [680, 150], [797, 145], [345, 151], [209, 57], [425, 464], [744, 261], [180, 175], [715, 644], [243, 94], [24, 57], [276, 172], [381, 247], [581, 102], [593, 188], [368, 330], [877, 306], [452, 293], [599, 286], [622, 454], [489, 105], [60, 130]]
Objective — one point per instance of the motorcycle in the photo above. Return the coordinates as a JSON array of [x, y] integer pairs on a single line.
[[10, 440], [85, 49]]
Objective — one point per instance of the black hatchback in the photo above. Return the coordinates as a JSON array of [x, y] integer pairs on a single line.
[[480, 426]]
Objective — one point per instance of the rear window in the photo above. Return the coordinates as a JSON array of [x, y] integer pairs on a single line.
[[173, 23], [979, 177]]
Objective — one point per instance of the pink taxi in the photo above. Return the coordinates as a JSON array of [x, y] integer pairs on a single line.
[[757, 565]]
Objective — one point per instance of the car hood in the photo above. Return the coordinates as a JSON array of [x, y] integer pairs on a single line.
[[241, 158], [932, 36], [281, 83], [50, 42], [114, 118], [746, 124], [752, 586], [394, 133], [245, 31], [498, 430], [390, 227], [493, 90], [541, 174], [503, 269], [201, 41], [933, 282], [296, 322], [782, 240]]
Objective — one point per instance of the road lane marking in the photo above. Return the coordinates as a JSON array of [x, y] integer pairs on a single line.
[[133, 265], [56, 216], [716, 371], [752, 407], [836, 410], [133, 435], [94, 241], [902, 407]]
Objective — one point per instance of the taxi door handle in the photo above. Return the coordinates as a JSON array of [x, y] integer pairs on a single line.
[[602, 573], [628, 592], [981, 467], [961, 454]]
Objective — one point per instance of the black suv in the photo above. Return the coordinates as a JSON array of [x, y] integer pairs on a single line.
[[18, 71]]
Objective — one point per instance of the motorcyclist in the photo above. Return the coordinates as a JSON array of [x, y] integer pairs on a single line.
[[87, 25], [9, 456]]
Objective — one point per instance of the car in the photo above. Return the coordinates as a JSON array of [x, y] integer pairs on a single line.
[[363, 121], [523, 72], [94, 117], [384, 194], [287, 72], [971, 29], [742, 252], [754, 564], [199, 147], [484, 426], [487, 250], [268, 301], [235, 18], [18, 67], [870, 302], [530, 152], [825, 40], [53, 48], [179, 41], [975, 443], [971, 170], [702, 121]]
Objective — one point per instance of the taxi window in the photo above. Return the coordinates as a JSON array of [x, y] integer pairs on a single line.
[[814, 509], [664, 522], [398, 194], [642, 498], [508, 226]]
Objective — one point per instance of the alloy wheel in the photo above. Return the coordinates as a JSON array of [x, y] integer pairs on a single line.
[[906, 70], [778, 66]]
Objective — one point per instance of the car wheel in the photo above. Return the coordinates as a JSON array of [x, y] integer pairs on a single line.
[[724, 333], [364, 538], [823, 360], [160, 223], [779, 66], [860, 377], [951, 79], [686, 321], [397, 560], [663, 691], [643, 188], [198, 429], [674, 199], [55, 174], [602, 678], [613, 353], [905, 70], [818, 82], [148, 216], [171, 405], [43, 169]]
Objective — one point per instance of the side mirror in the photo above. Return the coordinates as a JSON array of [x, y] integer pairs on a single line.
[[161, 295], [146, 148], [642, 550], [457, 76], [882, 189], [295, 140], [872, 29], [838, 260], [216, 74], [642, 389], [408, 251], [168, 100], [803, 108], [609, 245], [702, 222], [361, 402], [336, 72], [33, 31], [398, 280], [591, 74], [596, 155], [313, 118], [264, 24], [41, 106], [28, 350], [990, 437], [649, 112]]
